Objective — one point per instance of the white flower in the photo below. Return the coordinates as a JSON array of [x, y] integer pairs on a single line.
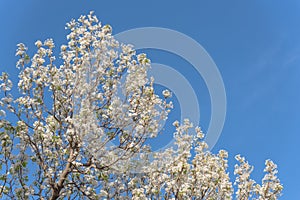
[[176, 123], [7, 100], [167, 93], [72, 113], [2, 113], [38, 43], [63, 47], [49, 43], [199, 133]]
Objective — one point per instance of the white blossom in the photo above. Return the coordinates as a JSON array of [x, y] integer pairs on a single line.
[[81, 124], [167, 93]]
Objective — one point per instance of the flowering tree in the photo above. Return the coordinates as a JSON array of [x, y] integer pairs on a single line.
[[57, 133]]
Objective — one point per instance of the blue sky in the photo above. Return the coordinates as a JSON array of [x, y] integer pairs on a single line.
[[255, 44]]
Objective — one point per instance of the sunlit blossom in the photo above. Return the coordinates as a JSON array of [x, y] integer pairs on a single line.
[[80, 126]]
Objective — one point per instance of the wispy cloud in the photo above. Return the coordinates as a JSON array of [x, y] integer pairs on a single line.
[[269, 71]]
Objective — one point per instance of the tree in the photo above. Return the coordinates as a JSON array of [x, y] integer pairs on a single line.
[[55, 134]]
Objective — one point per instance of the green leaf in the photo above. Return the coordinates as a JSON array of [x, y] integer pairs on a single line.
[[24, 163]]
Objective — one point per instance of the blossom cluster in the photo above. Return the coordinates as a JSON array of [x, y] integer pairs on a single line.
[[78, 129]]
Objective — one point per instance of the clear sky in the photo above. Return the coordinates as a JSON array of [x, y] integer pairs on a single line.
[[254, 43]]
